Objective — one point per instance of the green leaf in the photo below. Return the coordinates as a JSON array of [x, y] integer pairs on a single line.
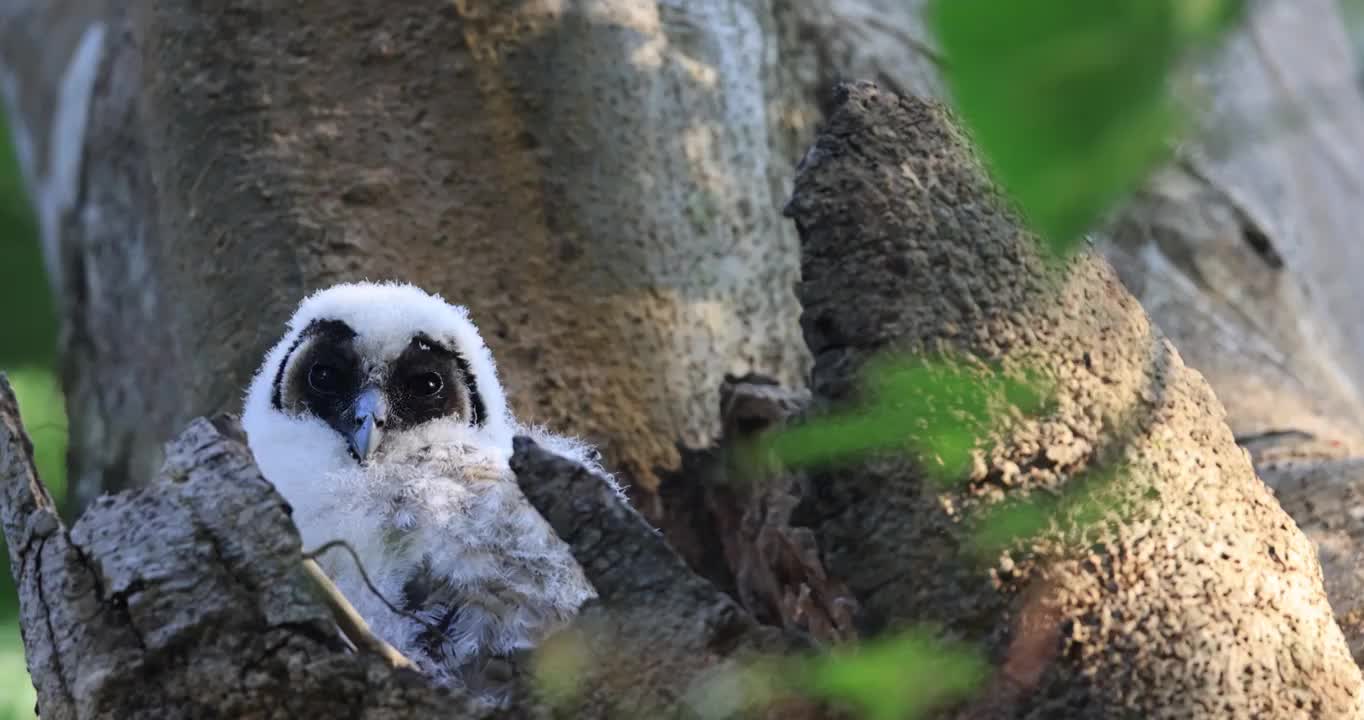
[[937, 410], [1070, 102], [902, 677], [1080, 505]]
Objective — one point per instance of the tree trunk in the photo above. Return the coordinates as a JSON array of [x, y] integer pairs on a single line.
[[70, 74], [1152, 610], [596, 181], [1245, 250], [185, 598]]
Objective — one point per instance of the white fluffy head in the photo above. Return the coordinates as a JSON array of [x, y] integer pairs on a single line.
[[385, 318]]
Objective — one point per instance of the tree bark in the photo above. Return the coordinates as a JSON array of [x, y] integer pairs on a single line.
[[198, 167], [1152, 609], [184, 599], [1252, 283], [1202, 599], [1244, 250], [188, 598], [596, 181]]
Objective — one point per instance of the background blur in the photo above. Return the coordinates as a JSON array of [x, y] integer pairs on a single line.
[[28, 357]]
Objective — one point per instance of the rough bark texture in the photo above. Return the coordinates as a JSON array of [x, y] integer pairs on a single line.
[[183, 599], [276, 173], [597, 181], [1244, 250], [1322, 487], [326, 142], [187, 598], [1194, 595]]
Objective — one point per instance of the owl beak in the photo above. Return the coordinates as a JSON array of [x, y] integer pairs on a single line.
[[371, 414]]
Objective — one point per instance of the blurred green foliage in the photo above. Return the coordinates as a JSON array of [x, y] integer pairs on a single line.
[[27, 356], [935, 408], [1017, 520], [30, 337], [1070, 103], [899, 678], [16, 691], [1353, 12]]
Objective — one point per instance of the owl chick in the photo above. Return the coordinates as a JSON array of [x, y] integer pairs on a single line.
[[380, 419]]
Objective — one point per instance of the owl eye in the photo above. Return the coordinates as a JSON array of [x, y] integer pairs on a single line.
[[425, 384], [324, 379]]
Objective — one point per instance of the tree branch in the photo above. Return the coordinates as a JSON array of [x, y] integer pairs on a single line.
[[186, 594], [194, 590], [352, 625], [658, 633]]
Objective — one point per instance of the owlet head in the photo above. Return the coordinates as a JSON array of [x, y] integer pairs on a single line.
[[365, 362]]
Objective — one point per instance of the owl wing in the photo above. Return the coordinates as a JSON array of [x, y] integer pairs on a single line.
[[455, 638], [492, 579]]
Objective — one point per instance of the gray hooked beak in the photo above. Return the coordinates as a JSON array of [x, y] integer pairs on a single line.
[[371, 414]]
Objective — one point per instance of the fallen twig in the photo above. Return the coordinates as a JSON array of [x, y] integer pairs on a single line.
[[352, 625]]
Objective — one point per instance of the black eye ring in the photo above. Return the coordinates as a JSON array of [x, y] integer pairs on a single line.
[[426, 384], [324, 379]]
